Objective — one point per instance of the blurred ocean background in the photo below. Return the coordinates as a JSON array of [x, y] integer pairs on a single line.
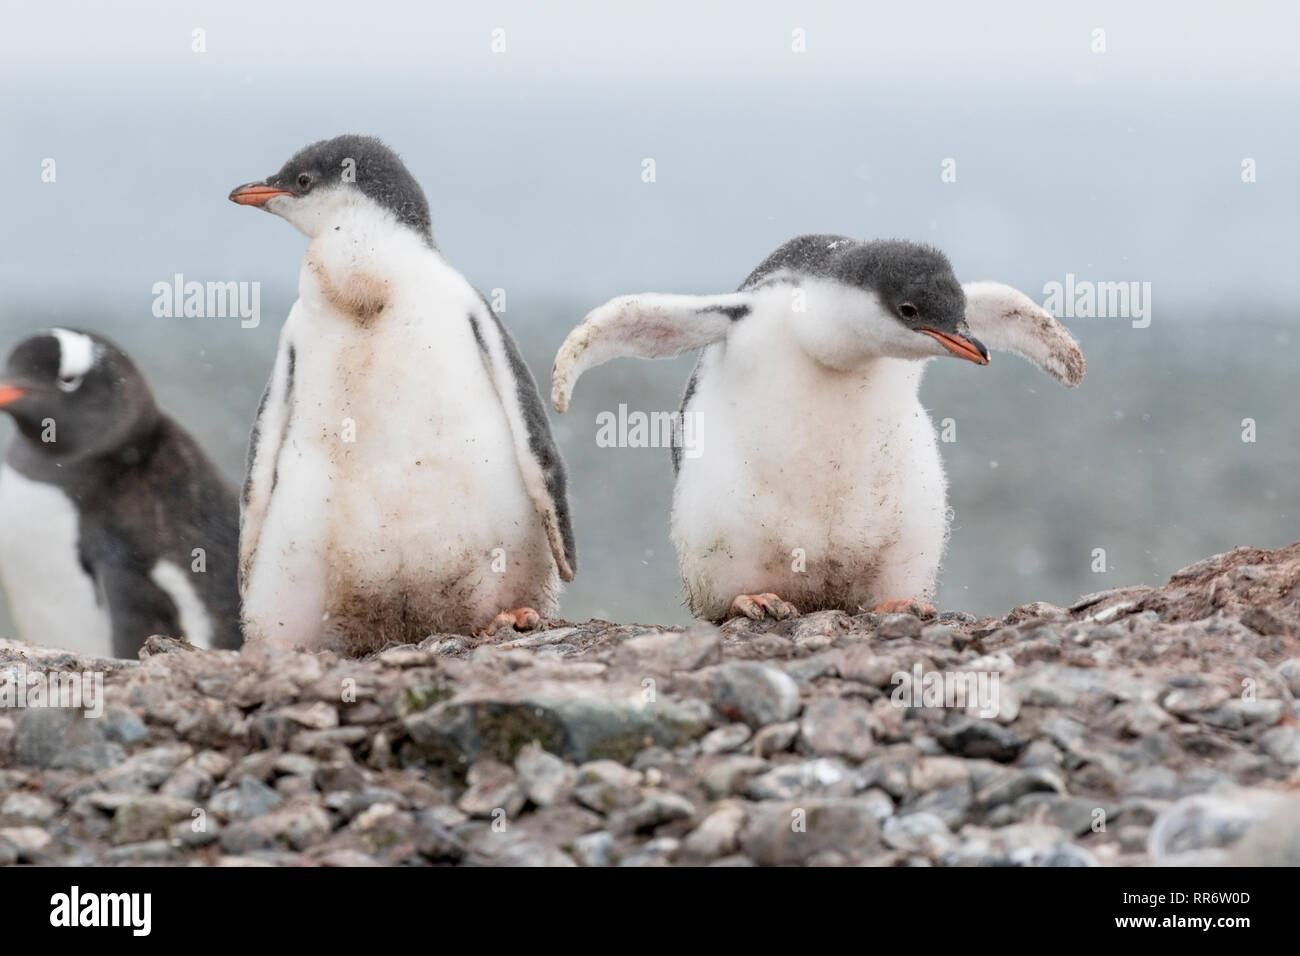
[[1122, 165]]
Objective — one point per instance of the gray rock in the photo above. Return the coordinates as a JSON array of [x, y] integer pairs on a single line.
[[148, 817], [544, 777], [594, 849], [147, 769], [435, 840], [726, 738], [59, 738], [1282, 744], [717, 835], [896, 626], [246, 800], [775, 738], [296, 826], [1199, 830], [578, 721], [756, 694], [653, 810], [731, 774], [837, 727], [823, 776], [671, 651], [27, 808], [777, 834], [529, 853], [1014, 784], [980, 738], [492, 787], [922, 833]]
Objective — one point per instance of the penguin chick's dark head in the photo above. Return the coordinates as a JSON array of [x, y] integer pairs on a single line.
[[74, 394], [322, 180], [912, 287]]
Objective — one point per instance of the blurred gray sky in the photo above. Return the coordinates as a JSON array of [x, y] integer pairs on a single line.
[[1122, 165]]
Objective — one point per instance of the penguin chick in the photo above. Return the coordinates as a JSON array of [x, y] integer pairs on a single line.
[[114, 525], [402, 478], [819, 483]]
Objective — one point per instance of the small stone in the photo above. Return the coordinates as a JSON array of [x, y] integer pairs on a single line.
[[922, 833], [295, 826], [726, 738], [594, 849], [777, 834], [492, 787], [434, 839], [825, 776], [248, 799], [148, 817], [545, 778], [775, 738], [897, 626], [932, 773], [731, 774], [756, 694], [717, 835], [24, 808], [1282, 744], [980, 738], [837, 727], [655, 809]]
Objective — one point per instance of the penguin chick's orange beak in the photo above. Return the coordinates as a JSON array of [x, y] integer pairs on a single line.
[[971, 349], [255, 194], [10, 394]]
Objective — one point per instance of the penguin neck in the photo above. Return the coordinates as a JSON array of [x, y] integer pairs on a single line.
[[354, 264]]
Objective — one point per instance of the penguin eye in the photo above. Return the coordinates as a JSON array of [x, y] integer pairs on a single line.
[[69, 383], [304, 180], [907, 310]]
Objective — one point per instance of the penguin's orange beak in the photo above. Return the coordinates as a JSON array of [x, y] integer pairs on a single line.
[[255, 194], [971, 349], [10, 394]]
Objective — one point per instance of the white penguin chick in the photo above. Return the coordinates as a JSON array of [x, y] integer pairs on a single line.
[[819, 356], [402, 478]]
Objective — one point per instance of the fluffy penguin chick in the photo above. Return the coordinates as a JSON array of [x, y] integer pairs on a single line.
[[402, 478], [113, 523], [819, 483]]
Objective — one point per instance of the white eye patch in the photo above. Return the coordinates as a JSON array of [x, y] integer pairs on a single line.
[[76, 357]]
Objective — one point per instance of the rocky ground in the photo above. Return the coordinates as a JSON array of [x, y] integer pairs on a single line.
[[1140, 725]]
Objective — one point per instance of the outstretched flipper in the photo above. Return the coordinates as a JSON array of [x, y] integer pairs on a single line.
[[649, 325], [1008, 320]]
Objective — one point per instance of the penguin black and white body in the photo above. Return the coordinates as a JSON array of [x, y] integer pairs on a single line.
[[818, 482], [402, 477], [114, 525]]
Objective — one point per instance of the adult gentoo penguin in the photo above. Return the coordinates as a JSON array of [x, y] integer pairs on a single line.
[[114, 525], [402, 478], [819, 483]]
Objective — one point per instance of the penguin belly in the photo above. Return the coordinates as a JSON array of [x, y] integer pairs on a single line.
[[399, 510], [823, 487], [51, 597]]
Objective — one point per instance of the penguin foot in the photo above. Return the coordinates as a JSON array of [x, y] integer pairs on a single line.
[[755, 606], [520, 619], [906, 606]]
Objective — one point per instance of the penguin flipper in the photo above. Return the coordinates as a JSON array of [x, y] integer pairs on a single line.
[[269, 428], [648, 325], [1008, 320], [535, 449]]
